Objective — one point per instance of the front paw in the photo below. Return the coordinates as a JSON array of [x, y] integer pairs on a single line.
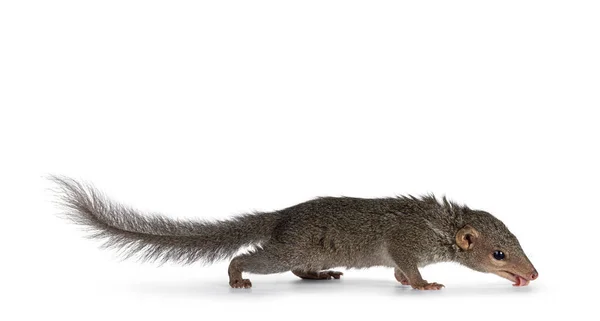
[[428, 286]]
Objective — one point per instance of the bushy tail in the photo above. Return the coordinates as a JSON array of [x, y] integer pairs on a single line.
[[155, 237]]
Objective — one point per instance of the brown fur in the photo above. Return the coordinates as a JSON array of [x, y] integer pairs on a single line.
[[401, 232]]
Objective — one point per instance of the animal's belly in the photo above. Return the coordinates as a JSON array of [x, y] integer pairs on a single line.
[[366, 259]]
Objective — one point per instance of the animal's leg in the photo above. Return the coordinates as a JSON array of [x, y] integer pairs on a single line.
[[408, 266], [262, 261], [401, 277], [321, 275], [416, 281]]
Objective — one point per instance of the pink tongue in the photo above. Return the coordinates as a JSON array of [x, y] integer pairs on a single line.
[[520, 281]]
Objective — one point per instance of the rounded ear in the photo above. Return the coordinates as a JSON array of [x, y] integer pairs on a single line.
[[466, 236]]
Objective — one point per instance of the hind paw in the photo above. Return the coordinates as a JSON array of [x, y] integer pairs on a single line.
[[328, 275], [322, 275], [428, 286], [240, 284]]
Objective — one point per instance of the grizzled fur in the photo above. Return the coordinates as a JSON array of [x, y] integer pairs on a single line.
[[402, 232]]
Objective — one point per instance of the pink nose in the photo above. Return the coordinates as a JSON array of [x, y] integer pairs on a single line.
[[534, 275]]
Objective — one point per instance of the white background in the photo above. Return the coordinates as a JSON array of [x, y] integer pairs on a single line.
[[213, 108]]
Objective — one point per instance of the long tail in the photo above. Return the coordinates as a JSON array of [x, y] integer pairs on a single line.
[[155, 237]]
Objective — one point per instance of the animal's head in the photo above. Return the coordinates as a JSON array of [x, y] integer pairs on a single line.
[[486, 245]]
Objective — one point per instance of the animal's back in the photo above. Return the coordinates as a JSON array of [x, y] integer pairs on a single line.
[[338, 231]]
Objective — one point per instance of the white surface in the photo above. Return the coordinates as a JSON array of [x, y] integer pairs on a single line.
[[216, 108]]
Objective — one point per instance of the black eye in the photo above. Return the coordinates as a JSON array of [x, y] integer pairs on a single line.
[[499, 255]]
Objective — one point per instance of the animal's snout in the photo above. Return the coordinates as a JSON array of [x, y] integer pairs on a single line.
[[534, 275]]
